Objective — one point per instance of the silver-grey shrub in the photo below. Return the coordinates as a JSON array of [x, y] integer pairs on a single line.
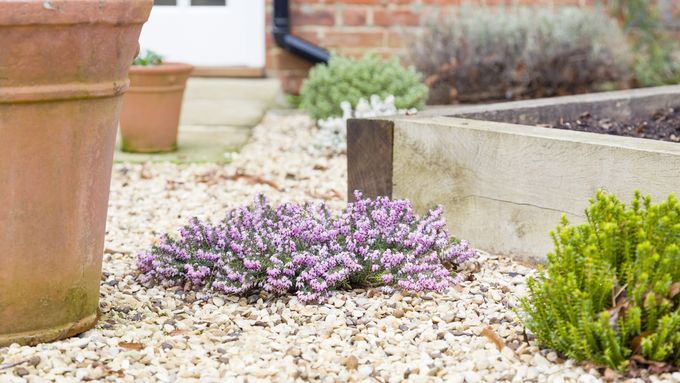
[[519, 52]]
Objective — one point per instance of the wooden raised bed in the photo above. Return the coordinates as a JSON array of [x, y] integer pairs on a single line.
[[503, 181]]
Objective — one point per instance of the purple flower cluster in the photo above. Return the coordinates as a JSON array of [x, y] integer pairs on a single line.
[[310, 251]]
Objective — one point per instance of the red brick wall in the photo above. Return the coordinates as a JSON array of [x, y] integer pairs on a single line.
[[356, 27]]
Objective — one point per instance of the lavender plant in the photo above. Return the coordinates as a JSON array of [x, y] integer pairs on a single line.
[[491, 53], [309, 251]]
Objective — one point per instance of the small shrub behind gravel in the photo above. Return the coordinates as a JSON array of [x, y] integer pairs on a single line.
[[345, 79], [309, 251]]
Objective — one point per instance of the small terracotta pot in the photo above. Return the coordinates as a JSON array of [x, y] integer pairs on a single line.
[[63, 70], [152, 106]]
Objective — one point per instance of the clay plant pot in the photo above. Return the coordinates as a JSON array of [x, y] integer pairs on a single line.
[[63, 71], [152, 106]]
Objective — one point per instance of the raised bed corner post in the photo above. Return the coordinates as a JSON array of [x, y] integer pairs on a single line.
[[290, 43], [369, 157]]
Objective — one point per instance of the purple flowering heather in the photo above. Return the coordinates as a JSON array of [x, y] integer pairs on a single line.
[[307, 250]]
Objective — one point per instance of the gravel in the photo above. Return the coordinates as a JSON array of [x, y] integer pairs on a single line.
[[468, 334]]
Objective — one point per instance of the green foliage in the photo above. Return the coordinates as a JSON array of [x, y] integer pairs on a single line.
[[293, 100], [657, 61], [657, 55], [657, 64], [612, 286], [482, 53], [149, 58], [345, 79]]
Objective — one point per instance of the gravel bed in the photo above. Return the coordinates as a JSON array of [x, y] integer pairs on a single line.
[[168, 335]]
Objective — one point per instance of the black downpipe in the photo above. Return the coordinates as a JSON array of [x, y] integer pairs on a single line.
[[290, 43]]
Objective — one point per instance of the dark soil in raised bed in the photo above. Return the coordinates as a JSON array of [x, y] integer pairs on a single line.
[[663, 125]]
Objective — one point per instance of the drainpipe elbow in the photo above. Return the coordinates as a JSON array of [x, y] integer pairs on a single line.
[[290, 43]]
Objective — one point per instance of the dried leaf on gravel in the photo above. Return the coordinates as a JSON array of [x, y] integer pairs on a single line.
[[619, 295], [145, 173], [131, 345], [253, 179], [675, 290], [621, 303], [653, 366], [491, 335], [611, 375], [637, 341], [172, 184], [592, 366], [209, 177], [331, 194]]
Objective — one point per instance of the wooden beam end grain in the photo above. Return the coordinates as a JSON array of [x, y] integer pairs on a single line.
[[369, 157]]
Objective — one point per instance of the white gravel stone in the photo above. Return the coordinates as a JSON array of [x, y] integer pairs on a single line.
[[472, 377]]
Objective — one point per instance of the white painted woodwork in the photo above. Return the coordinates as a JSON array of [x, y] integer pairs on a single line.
[[208, 36]]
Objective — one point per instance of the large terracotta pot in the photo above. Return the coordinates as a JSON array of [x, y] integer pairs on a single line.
[[63, 71], [152, 106]]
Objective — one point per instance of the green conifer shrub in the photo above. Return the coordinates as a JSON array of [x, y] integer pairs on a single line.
[[611, 290], [345, 79]]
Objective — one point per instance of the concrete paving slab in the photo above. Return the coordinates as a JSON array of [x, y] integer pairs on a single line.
[[196, 144], [229, 88], [228, 102], [223, 112]]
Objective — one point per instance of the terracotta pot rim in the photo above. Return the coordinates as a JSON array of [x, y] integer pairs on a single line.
[[164, 68], [67, 12]]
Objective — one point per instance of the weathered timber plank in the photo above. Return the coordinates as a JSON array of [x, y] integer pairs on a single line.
[[505, 186], [369, 157], [622, 104]]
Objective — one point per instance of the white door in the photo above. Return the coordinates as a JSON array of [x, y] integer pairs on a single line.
[[207, 33]]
